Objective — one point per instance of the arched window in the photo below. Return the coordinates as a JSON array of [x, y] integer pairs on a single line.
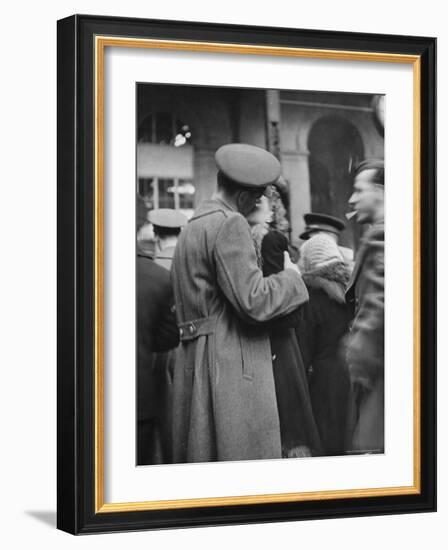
[[335, 147], [164, 128]]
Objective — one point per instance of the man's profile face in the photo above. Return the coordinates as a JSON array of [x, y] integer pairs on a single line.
[[367, 196]]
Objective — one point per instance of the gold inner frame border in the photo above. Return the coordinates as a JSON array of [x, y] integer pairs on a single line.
[[100, 43]]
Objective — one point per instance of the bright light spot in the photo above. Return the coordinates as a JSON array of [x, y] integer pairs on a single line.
[[186, 189], [179, 140]]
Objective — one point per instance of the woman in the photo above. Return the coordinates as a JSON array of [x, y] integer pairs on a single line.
[[321, 331], [299, 434]]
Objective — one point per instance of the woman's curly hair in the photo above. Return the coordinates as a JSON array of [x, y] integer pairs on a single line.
[[279, 213]]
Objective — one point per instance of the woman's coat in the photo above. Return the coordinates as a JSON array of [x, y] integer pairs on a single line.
[[321, 332], [299, 433]]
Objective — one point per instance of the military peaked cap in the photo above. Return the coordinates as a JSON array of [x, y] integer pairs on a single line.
[[167, 217], [247, 165], [321, 222]]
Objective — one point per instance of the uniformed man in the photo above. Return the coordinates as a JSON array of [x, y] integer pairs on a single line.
[[224, 396], [329, 225], [167, 224], [156, 332], [322, 223], [365, 292]]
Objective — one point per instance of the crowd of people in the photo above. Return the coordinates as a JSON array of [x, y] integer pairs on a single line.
[[247, 348]]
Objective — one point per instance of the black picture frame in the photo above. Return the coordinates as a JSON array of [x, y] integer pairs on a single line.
[[76, 257]]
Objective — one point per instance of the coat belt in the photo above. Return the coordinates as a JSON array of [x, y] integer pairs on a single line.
[[190, 330]]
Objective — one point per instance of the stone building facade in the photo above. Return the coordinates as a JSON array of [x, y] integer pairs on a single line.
[[318, 137]]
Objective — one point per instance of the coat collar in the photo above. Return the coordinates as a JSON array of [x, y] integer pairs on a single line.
[[332, 279], [166, 253], [224, 203], [375, 232], [209, 206]]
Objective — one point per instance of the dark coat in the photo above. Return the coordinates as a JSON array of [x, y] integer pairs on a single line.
[[156, 328], [297, 425], [365, 295], [163, 381], [365, 349], [224, 396], [321, 331]]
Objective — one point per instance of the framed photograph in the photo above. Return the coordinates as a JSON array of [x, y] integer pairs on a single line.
[[246, 274]]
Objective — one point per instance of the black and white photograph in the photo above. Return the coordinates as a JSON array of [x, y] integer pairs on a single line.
[[222, 243], [246, 250], [259, 274]]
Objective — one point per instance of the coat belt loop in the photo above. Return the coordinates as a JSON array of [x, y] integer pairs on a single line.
[[190, 330]]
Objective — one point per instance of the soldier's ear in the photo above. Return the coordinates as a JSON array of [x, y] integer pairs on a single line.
[[246, 202], [241, 200]]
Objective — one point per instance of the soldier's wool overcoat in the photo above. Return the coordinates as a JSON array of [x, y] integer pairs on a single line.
[[224, 396]]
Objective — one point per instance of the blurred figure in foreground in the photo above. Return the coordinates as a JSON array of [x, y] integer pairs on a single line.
[[365, 295], [321, 330]]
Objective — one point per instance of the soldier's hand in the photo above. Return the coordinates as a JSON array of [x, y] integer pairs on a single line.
[[288, 264]]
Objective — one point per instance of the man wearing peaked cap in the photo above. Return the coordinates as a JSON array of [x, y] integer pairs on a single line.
[[167, 224], [225, 405], [156, 333], [322, 223], [167, 218], [329, 225]]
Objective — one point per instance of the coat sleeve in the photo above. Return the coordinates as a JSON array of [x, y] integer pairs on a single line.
[[255, 298], [365, 353], [273, 246]]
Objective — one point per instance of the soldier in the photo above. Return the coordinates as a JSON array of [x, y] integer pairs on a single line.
[[156, 332], [322, 223], [224, 396], [167, 224], [365, 293]]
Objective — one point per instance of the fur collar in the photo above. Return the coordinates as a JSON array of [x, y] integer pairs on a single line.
[[332, 279]]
